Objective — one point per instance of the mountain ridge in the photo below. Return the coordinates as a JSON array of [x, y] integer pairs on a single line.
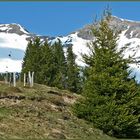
[[15, 37]]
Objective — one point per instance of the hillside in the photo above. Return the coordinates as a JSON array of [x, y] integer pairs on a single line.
[[41, 112]]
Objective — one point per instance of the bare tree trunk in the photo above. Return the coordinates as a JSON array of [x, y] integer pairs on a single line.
[[29, 77], [14, 79], [24, 79], [32, 79]]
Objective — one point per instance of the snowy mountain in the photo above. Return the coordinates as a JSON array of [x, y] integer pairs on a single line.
[[14, 39], [13, 42], [129, 36]]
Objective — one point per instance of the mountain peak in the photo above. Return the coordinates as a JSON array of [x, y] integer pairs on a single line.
[[117, 24], [13, 28]]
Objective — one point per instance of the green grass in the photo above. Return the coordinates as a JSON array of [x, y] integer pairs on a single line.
[[42, 112], [5, 113]]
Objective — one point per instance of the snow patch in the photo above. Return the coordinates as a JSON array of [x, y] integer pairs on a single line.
[[133, 50], [13, 41], [9, 65], [79, 47], [22, 29]]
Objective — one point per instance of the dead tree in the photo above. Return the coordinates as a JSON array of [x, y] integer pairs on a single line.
[[24, 79], [29, 78], [32, 79], [14, 79]]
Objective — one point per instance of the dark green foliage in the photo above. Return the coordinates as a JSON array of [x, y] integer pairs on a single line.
[[2, 75], [110, 94], [60, 64], [32, 57], [47, 65], [26, 62], [48, 62], [50, 65], [73, 77]]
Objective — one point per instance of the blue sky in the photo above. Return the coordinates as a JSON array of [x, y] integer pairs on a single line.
[[62, 18]]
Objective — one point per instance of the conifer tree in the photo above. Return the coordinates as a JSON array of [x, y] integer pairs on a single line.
[[73, 77], [31, 58], [47, 65], [60, 63], [26, 62], [110, 93]]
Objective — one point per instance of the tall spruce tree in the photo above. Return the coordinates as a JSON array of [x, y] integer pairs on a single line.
[[26, 61], [60, 63], [110, 93], [47, 65], [31, 58], [73, 77]]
